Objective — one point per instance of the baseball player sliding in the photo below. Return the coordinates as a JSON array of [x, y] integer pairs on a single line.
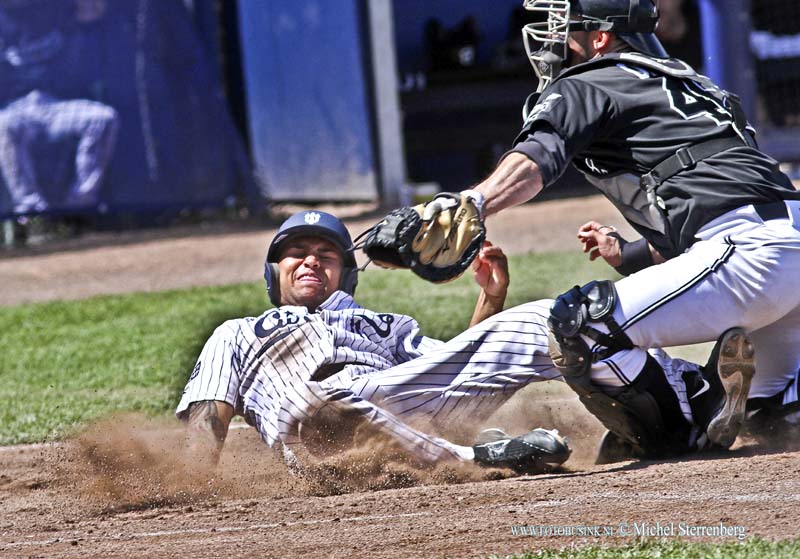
[[318, 354], [719, 255]]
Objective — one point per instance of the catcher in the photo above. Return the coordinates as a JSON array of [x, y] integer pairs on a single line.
[[720, 226], [318, 369]]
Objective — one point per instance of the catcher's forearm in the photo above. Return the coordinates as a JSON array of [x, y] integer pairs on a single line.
[[516, 179], [487, 306], [207, 429]]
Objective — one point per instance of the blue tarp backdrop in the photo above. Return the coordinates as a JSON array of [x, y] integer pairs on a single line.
[[124, 87], [306, 87]]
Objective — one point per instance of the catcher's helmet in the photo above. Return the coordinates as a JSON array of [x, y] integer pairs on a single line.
[[316, 224], [633, 21]]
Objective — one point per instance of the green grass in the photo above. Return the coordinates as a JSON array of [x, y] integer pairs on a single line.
[[752, 548], [63, 364]]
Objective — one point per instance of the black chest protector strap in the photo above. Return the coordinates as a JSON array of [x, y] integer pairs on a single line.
[[686, 158]]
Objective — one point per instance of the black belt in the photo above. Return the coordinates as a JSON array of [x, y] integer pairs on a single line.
[[772, 210]]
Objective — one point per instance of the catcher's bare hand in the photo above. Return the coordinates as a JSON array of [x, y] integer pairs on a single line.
[[490, 270], [596, 240]]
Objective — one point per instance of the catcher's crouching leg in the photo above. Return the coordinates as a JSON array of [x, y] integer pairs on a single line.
[[644, 417]]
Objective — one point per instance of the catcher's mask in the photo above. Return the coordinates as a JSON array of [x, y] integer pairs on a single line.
[[633, 21], [317, 224]]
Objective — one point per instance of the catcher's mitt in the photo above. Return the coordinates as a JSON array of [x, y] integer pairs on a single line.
[[437, 240]]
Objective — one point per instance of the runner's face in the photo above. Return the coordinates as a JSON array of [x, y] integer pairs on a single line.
[[309, 270]]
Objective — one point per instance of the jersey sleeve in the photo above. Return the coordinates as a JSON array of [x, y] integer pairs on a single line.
[[566, 118], [548, 149], [217, 373]]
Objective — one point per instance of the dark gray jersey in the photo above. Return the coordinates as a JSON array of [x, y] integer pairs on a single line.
[[618, 116]]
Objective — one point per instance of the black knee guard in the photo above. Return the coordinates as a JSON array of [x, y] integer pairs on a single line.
[[646, 413]]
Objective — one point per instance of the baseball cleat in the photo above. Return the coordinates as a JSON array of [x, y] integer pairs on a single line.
[[735, 367], [535, 452]]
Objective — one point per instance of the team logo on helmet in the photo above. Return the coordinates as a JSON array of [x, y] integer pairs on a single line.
[[312, 218]]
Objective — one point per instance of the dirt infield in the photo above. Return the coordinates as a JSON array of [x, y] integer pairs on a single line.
[[123, 490], [52, 504]]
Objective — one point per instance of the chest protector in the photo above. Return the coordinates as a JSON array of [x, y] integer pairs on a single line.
[[646, 210]]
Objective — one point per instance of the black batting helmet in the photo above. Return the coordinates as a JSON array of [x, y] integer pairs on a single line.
[[317, 224]]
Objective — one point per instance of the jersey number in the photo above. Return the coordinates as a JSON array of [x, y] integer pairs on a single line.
[[274, 320], [690, 100]]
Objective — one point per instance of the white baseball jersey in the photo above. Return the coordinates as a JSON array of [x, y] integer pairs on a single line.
[[277, 370]]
